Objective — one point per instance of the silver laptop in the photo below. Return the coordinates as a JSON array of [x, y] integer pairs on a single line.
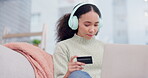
[[125, 61]]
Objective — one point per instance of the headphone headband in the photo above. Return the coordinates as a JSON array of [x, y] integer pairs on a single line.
[[77, 7], [73, 20]]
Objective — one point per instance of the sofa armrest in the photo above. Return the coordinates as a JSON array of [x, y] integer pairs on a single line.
[[14, 64]]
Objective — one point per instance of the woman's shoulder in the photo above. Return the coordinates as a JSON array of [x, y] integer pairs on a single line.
[[63, 45], [64, 42]]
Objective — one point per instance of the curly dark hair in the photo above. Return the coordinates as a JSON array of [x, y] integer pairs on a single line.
[[64, 31]]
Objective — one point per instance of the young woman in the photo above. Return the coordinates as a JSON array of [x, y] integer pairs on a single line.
[[76, 38]]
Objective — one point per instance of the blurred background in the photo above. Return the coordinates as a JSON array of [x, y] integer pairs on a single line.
[[34, 21]]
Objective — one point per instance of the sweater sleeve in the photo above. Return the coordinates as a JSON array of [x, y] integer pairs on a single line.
[[60, 59]]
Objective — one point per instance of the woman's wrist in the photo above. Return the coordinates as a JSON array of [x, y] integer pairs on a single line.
[[67, 75]]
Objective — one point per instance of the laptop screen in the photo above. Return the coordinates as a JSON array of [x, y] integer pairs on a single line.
[[125, 61]]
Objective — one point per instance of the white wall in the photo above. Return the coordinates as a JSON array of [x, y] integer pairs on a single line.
[[106, 32], [136, 22]]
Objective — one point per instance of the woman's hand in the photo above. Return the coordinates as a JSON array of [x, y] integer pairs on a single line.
[[73, 66]]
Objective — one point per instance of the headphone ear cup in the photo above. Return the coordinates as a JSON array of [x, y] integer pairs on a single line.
[[100, 24], [74, 23]]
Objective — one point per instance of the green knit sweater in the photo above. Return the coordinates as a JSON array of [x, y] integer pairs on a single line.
[[80, 47]]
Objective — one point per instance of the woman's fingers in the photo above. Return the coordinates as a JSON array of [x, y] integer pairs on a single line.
[[73, 66], [76, 67], [76, 64], [79, 63], [72, 58]]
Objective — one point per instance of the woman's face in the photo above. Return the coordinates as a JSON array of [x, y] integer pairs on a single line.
[[88, 25]]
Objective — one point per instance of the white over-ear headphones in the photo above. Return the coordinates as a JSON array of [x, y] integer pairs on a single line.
[[73, 20]]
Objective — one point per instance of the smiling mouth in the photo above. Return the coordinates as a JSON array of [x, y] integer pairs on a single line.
[[89, 35]]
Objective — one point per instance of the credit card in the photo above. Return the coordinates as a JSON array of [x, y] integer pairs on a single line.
[[85, 59]]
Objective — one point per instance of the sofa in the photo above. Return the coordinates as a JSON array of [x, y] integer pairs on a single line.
[[24, 60], [14, 64], [120, 61]]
